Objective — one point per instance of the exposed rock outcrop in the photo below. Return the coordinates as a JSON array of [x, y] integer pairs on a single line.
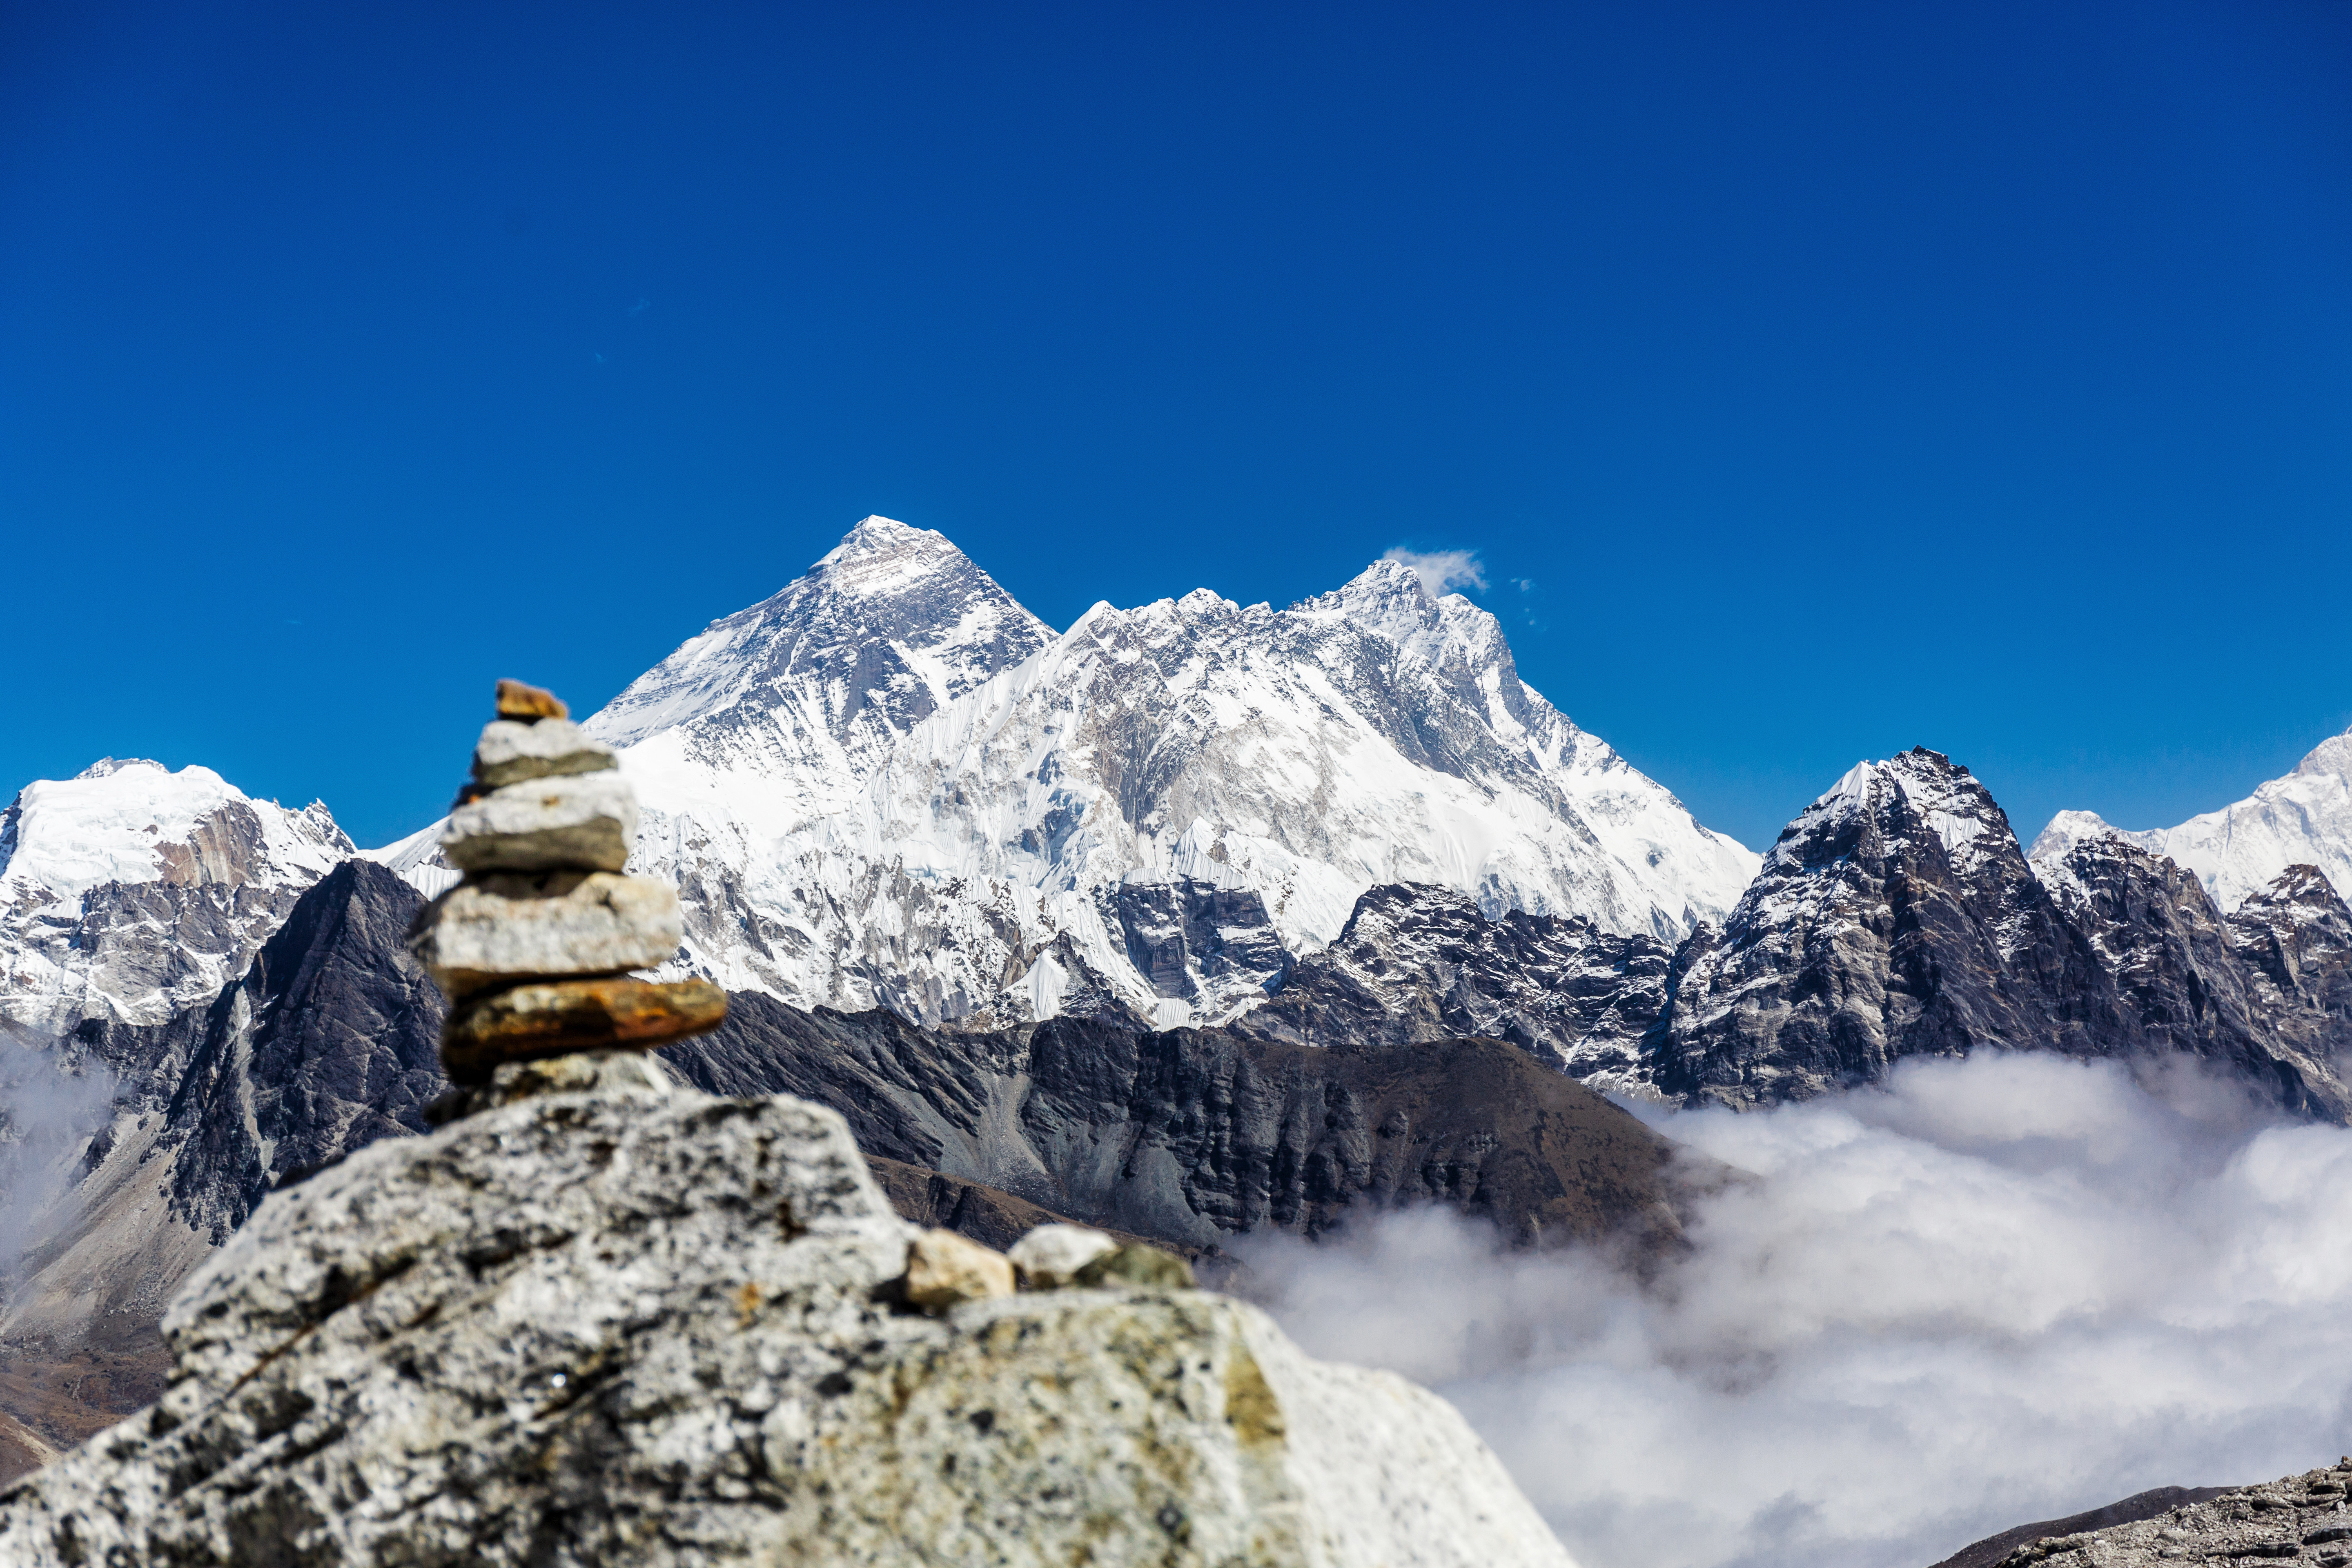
[[1419, 964], [1897, 917], [2302, 1517], [1194, 1135], [2294, 941], [668, 1330], [1985, 1553]]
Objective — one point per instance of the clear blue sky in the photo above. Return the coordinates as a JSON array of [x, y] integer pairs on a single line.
[[1839, 378]]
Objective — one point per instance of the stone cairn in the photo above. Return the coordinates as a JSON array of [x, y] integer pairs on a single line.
[[534, 946]]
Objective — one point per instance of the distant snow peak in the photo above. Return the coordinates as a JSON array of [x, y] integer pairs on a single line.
[[2303, 818], [129, 890], [889, 783]]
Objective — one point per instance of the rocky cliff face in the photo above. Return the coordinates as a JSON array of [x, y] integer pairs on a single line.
[[1419, 965], [2182, 976], [672, 1329], [1196, 1135], [2293, 941], [1897, 917], [326, 1045]]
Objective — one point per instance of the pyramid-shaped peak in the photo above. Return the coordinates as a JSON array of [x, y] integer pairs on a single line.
[[878, 535]]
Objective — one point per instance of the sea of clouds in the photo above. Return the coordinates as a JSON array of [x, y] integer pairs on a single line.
[[1996, 1290]]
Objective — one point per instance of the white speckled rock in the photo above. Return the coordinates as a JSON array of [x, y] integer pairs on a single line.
[[508, 925], [1051, 1256], [668, 1330], [510, 752], [586, 822]]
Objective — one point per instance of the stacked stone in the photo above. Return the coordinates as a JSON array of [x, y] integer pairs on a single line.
[[534, 946]]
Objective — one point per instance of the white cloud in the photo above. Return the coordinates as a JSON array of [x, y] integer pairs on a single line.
[[46, 1113], [2000, 1290], [1441, 571]]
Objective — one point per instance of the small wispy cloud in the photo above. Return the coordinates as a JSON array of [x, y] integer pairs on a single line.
[[1441, 571]]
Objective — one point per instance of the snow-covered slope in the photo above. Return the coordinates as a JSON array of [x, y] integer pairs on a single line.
[[891, 782], [2303, 819], [131, 892]]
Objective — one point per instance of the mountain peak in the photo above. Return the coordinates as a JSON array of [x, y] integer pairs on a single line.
[[2332, 758], [106, 767], [879, 535], [881, 630]]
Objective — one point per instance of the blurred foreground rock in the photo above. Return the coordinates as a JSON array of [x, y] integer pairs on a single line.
[[629, 1325]]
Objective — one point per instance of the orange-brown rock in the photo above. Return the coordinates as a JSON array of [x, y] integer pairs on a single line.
[[548, 1018], [528, 703]]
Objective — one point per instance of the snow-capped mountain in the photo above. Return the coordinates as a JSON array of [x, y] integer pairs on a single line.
[[2303, 819], [130, 891], [891, 782]]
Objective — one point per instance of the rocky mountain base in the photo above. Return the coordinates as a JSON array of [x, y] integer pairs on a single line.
[[624, 1325], [1988, 1552], [2302, 1517]]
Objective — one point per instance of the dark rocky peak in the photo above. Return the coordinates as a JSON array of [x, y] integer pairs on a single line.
[[2299, 925], [1915, 808], [2293, 939], [328, 1043], [2177, 972], [1418, 963], [889, 625], [1897, 918], [1894, 916], [1197, 941]]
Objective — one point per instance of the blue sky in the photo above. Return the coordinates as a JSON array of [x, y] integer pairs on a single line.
[[1834, 378]]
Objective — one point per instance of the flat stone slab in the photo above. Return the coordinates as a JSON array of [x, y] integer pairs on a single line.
[[587, 822], [510, 752], [550, 1018], [502, 926]]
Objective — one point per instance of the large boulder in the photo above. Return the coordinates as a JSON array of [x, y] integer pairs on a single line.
[[631, 1326]]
